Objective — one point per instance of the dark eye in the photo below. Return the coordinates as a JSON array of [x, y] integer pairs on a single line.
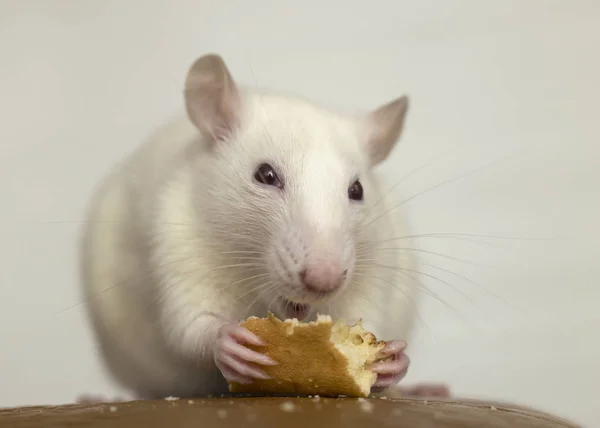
[[265, 174], [355, 192]]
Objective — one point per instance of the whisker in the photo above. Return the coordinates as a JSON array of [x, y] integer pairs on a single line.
[[403, 179], [457, 237], [253, 289], [443, 270], [242, 281], [105, 222], [449, 181], [423, 290], [474, 283], [456, 311], [275, 297], [260, 258], [409, 300], [473, 235], [366, 297], [419, 250], [266, 288], [356, 298], [398, 269], [150, 272]]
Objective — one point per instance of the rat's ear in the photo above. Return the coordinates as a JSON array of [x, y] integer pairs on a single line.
[[212, 98], [384, 126]]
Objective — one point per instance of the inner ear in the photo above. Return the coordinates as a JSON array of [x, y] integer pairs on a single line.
[[384, 127], [212, 98]]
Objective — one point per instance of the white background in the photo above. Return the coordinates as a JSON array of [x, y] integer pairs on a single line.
[[83, 82]]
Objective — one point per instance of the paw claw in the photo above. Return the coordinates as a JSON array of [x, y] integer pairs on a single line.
[[396, 367], [236, 361], [242, 334], [393, 347], [94, 399], [392, 371], [243, 368], [231, 376], [245, 354], [385, 381], [427, 390]]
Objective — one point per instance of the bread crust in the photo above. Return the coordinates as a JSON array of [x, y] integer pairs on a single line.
[[309, 362]]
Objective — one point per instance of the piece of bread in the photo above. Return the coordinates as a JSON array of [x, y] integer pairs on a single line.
[[315, 358]]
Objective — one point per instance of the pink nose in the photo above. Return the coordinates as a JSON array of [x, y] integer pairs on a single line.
[[322, 277]]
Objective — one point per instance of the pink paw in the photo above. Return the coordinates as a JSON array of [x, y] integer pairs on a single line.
[[237, 362], [392, 371], [94, 399], [426, 390]]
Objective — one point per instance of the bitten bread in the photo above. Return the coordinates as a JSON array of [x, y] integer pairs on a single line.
[[314, 358]]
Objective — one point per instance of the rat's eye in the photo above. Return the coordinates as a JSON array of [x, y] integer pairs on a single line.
[[265, 174], [355, 192]]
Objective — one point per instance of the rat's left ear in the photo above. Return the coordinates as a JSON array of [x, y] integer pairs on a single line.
[[211, 97], [384, 126]]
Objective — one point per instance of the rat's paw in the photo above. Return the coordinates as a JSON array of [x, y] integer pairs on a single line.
[[425, 390], [94, 399], [90, 399], [236, 362], [392, 370]]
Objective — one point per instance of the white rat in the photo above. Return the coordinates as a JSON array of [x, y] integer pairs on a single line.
[[252, 202]]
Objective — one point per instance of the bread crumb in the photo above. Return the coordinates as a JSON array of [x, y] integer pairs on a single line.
[[425, 402], [113, 408], [493, 408], [383, 398], [287, 406], [361, 399], [366, 406], [342, 396], [169, 398], [222, 413], [190, 401]]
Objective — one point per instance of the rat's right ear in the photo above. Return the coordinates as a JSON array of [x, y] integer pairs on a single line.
[[384, 126], [211, 97]]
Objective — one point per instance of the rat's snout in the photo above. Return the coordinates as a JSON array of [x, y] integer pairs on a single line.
[[311, 261], [322, 275]]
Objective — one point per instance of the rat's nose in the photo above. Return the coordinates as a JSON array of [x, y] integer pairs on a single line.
[[322, 277]]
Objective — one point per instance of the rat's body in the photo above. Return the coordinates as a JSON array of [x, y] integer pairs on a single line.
[[191, 234]]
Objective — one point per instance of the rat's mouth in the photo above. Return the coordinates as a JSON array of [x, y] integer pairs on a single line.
[[295, 310]]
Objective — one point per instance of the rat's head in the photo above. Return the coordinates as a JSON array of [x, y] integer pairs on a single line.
[[288, 184]]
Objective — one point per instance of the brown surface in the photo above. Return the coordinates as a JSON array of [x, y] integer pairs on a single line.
[[269, 412], [309, 364]]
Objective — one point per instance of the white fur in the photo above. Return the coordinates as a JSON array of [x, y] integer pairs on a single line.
[[165, 222]]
